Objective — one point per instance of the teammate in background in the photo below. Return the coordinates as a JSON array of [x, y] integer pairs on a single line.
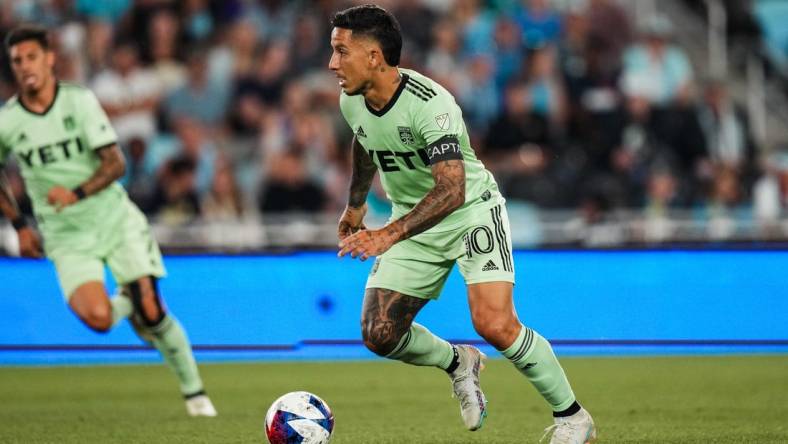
[[69, 160], [446, 210]]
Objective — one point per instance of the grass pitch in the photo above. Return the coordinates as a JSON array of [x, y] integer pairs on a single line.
[[633, 400]]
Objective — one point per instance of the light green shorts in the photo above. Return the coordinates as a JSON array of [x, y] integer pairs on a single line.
[[419, 266], [125, 246]]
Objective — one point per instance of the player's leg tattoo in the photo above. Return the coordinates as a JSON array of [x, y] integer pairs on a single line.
[[386, 316]]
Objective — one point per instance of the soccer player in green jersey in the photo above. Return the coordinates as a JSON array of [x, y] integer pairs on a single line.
[[446, 209], [70, 161]]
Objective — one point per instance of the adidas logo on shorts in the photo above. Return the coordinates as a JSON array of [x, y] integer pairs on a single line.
[[489, 266]]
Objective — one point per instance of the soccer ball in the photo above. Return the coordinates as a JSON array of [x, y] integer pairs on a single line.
[[299, 418]]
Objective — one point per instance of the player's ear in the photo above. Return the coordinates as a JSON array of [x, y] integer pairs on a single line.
[[375, 58], [50, 58]]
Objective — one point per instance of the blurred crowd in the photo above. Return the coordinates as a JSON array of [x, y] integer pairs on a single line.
[[225, 108]]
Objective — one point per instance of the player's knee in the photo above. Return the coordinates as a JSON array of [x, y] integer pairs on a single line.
[[98, 319], [380, 348], [377, 343], [496, 330]]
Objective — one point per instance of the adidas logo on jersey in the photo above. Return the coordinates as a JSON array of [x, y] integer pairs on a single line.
[[360, 132], [489, 266]]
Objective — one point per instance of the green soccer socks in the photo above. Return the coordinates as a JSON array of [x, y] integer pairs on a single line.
[[121, 308], [418, 346], [534, 357], [171, 341]]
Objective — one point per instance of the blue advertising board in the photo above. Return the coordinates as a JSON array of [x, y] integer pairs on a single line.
[[307, 306]]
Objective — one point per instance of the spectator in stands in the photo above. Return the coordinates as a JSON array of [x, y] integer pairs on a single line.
[[165, 43], [129, 94], [661, 194], [609, 24], [306, 134], [640, 146], [770, 194], [518, 148], [273, 18], [307, 53], [199, 99], [224, 201], [443, 58], [596, 107], [544, 89], [655, 68], [477, 94], [288, 188], [476, 26], [726, 129], [234, 56], [269, 76], [650, 135], [572, 50], [139, 179], [594, 225], [516, 132], [175, 200], [69, 42], [508, 51], [725, 208], [99, 39], [195, 143], [417, 22], [540, 24], [198, 22]]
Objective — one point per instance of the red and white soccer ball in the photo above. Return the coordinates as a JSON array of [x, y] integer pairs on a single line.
[[299, 418]]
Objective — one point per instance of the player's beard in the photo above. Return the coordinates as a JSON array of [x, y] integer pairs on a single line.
[[364, 87], [34, 89], [31, 91]]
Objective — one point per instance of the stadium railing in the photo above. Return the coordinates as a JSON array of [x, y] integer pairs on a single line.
[[531, 228]]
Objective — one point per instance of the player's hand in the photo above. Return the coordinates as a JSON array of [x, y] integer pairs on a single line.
[[351, 221], [29, 243], [367, 243], [61, 197]]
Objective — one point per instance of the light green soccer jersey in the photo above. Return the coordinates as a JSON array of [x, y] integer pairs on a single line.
[[56, 147], [421, 125]]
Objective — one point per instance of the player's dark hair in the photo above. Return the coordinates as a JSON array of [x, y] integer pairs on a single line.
[[375, 22], [24, 33]]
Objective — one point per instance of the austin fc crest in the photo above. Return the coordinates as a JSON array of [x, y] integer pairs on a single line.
[[405, 135], [68, 123]]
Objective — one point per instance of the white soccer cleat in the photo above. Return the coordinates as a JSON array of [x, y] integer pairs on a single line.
[[576, 429], [465, 382], [200, 405]]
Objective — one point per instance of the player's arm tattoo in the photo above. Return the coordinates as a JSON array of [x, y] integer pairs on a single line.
[[447, 195], [112, 168], [363, 173], [386, 316]]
